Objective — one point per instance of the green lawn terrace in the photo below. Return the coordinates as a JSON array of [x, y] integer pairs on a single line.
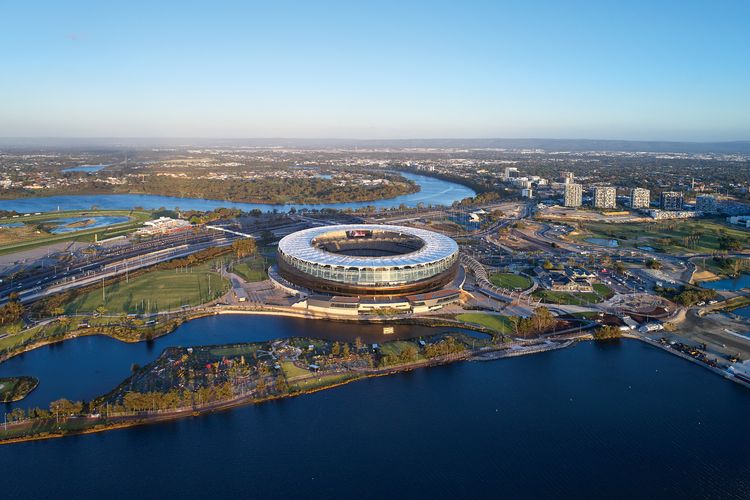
[[511, 281], [693, 236]]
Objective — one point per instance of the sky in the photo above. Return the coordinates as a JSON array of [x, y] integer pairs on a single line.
[[642, 70]]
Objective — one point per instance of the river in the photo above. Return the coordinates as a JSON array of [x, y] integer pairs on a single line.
[[432, 191], [86, 367], [608, 420], [728, 284]]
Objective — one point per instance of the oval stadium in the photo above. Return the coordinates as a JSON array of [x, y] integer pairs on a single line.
[[367, 259]]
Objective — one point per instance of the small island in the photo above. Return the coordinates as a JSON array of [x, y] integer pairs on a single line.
[[16, 388]]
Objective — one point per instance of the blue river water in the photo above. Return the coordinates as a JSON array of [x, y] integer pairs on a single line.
[[433, 192], [728, 284], [86, 367], [63, 225], [617, 419], [85, 168]]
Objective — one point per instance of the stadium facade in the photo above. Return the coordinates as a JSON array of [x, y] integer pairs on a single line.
[[368, 260]]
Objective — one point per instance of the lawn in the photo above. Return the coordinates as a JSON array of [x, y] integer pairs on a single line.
[[500, 324], [252, 269], [155, 291], [322, 381], [676, 237], [511, 281], [395, 347], [603, 291], [291, 370]]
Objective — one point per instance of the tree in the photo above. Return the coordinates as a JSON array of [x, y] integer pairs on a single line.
[[653, 264], [607, 332], [336, 349], [244, 247]]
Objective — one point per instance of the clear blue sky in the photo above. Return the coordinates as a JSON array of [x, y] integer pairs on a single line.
[[667, 70]]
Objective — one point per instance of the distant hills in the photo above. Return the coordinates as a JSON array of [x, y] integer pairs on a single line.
[[738, 147]]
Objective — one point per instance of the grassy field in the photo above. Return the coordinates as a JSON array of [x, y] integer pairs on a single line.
[[321, 381], [291, 370], [511, 281], [500, 324], [676, 237], [155, 291], [252, 269], [395, 347], [603, 291], [17, 239]]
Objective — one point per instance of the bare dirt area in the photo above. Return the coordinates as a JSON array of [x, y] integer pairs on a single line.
[[721, 334]]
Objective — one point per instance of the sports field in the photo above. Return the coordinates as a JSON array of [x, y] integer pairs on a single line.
[[155, 291]]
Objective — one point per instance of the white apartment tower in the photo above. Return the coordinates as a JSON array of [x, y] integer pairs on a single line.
[[640, 198], [605, 197], [573, 195]]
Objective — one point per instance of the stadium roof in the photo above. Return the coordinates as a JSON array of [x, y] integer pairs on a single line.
[[436, 247]]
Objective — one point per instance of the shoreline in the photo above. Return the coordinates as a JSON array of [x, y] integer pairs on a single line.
[[430, 321], [246, 400], [480, 354]]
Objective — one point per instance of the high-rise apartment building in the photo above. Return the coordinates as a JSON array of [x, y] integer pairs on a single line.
[[671, 201], [640, 198], [567, 177], [605, 197], [573, 195]]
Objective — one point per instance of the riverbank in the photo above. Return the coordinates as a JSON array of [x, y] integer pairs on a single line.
[[296, 383], [173, 319], [432, 191], [16, 388]]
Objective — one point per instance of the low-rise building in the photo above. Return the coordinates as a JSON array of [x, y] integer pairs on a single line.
[[354, 306], [665, 214], [163, 225], [740, 220]]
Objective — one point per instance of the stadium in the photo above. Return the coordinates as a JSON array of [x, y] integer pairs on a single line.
[[368, 260]]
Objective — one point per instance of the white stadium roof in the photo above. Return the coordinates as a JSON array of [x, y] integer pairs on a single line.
[[436, 247]]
